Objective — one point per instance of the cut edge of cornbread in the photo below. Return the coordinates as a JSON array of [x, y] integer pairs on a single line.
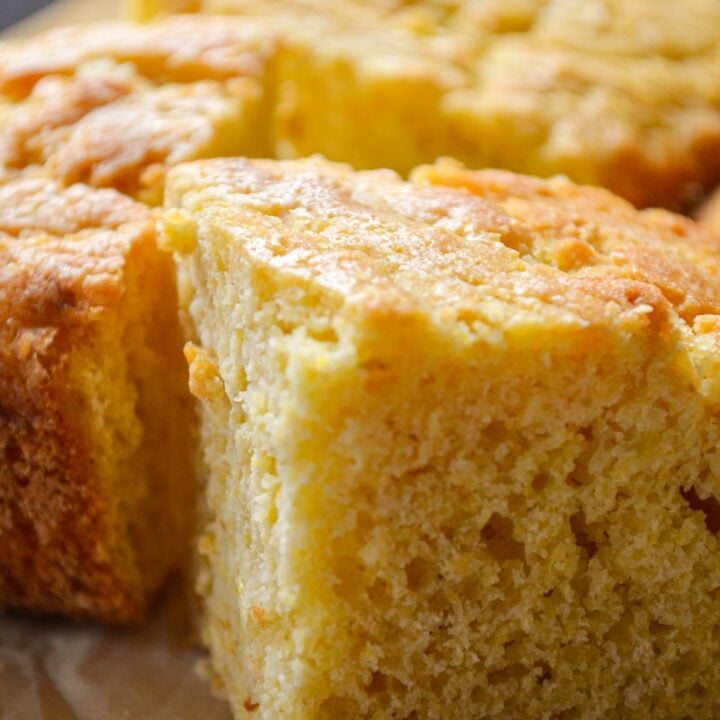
[[96, 427], [462, 439]]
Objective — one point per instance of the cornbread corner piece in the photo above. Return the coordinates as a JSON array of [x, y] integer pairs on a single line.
[[115, 104], [545, 108], [96, 424], [612, 93], [462, 435]]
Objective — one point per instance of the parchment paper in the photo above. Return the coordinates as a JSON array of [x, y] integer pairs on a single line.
[[60, 670]]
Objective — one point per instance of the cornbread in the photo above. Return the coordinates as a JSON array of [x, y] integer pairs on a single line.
[[381, 91], [462, 435], [115, 104], [96, 429], [620, 94]]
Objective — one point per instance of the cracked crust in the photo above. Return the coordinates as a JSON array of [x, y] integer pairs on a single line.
[[115, 104], [561, 246]]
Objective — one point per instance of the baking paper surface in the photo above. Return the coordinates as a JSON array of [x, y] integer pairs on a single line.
[[59, 670]]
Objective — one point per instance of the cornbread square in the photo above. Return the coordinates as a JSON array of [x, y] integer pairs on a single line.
[[620, 94], [96, 425], [116, 104], [351, 81], [462, 439]]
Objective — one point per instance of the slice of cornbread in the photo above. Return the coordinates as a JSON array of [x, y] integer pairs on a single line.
[[648, 127], [462, 435], [96, 428], [620, 94], [115, 104], [352, 85]]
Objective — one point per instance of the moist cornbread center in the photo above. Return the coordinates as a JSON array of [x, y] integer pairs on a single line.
[[461, 437]]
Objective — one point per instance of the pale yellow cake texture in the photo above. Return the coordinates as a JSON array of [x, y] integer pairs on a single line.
[[96, 425], [368, 94], [620, 94], [115, 104], [462, 439]]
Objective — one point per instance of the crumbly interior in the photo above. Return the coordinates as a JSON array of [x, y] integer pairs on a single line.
[[371, 98], [143, 425], [421, 509], [96, 428]]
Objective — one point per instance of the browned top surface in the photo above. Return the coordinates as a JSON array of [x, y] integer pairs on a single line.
[[113, 104], [488, 249], [63, 251]]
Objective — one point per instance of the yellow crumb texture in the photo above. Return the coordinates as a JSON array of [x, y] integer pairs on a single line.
[[462, 439], [96, 429], [620, 94]]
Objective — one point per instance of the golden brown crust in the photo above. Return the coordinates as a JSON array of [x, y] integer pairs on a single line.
[[179, 49], [113, 105], [128, 143], [567, 246], [589, 233], [38, 206], [62, 255], [501, 252]]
